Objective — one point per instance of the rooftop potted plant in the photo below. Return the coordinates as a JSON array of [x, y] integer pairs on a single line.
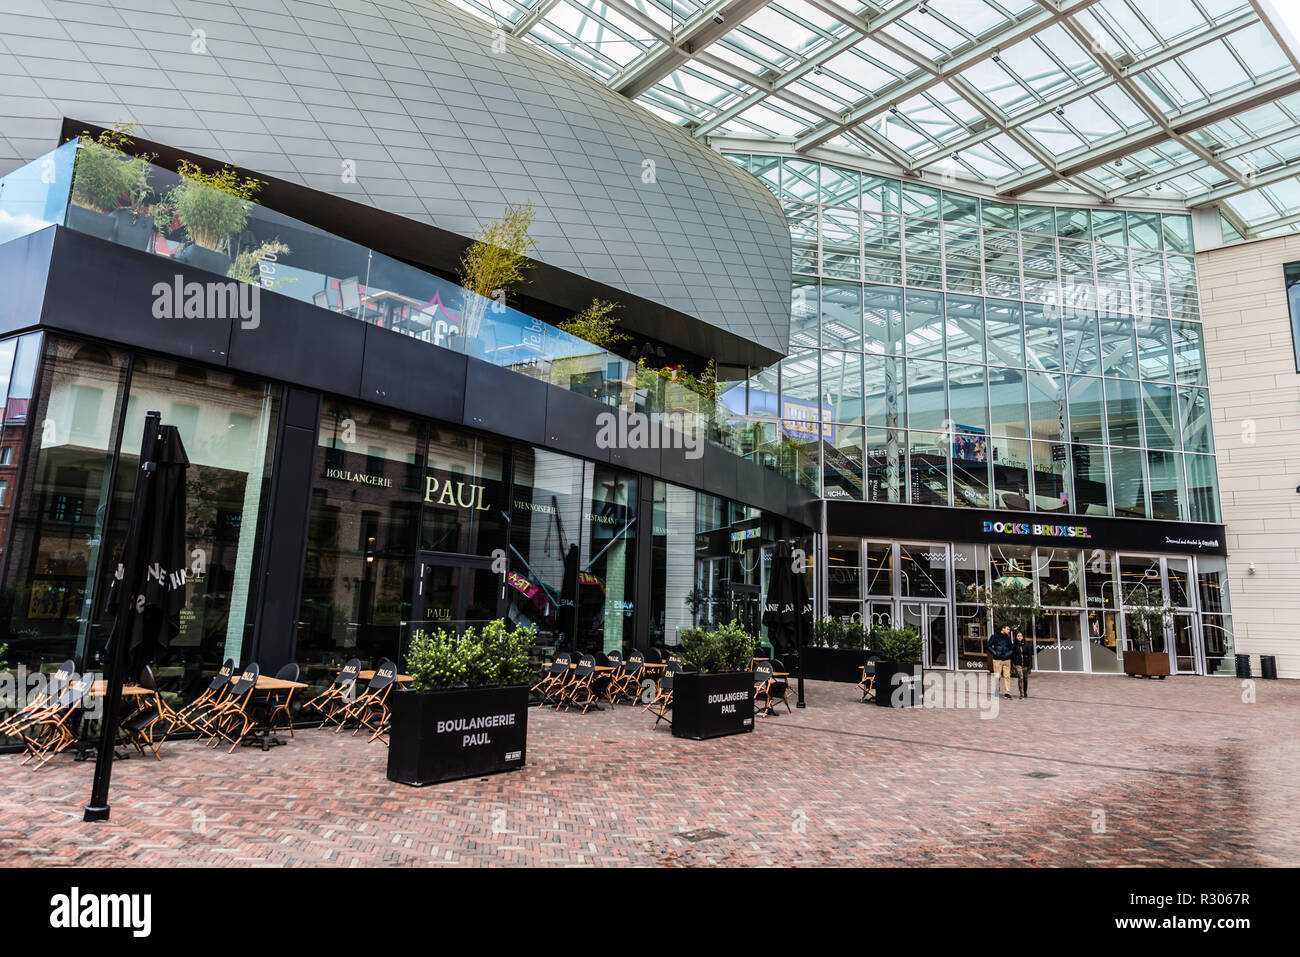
[[211, 208], [1145, 615], [109, 187], [898, 672], [715, 696], [466, 711]]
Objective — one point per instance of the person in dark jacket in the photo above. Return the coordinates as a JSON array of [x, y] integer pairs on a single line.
[[1022, 656], [1000, 646]]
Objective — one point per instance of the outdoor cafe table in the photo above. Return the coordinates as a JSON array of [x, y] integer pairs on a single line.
[[84, 743]]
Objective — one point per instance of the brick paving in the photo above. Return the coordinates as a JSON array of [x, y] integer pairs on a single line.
[[1092, 771]]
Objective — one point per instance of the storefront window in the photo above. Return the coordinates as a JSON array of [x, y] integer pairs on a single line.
[[463, 490], [227, 424], [1216, 615], [358, 580], [607, 578], [672, 575]]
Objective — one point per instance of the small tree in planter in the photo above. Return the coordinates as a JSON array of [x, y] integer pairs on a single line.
[[715, 697], [110, 187], [466, 711], [1014, 604], [495, 261], [900, 654], [210, 207], [1146, 614]]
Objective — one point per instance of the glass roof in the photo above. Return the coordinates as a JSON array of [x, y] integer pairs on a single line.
[[1193, 102]]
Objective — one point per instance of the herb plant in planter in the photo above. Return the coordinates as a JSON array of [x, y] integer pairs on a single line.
[[715, 696], [110, 188], [1145, 616], [211, 208], [466, 711], [898, 672]]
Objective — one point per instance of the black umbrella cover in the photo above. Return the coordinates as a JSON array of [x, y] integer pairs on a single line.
[[148, 587]]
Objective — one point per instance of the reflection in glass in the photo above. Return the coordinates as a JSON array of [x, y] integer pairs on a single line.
[[928, 468]]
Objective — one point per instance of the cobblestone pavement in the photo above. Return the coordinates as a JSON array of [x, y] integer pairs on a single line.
[[1093, 771]]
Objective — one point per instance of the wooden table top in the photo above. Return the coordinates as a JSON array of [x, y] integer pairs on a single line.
[[267, 683], [130, 691]]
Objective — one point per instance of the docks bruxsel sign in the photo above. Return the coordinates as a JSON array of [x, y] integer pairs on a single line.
[[1042, 531]]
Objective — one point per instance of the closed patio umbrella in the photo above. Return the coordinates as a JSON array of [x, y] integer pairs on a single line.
[[786, 608], [148, 587]]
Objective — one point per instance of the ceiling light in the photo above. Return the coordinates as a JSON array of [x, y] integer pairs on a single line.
[[717, 18]]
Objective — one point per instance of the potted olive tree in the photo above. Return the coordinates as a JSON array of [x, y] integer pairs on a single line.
[[211, 208], [715, 696], [836, 650], [1145, 616], [898, 672], [465, 712], [104, 177]]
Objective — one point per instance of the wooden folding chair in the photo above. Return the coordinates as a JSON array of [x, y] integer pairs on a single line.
[[631, 675], [868, 683], [41, 702], [233, 718], [779, 690], [140, 727], [585, 687], [371, 708], [194, 714], [52, 732], [338, 695], [553, 679], [663, 699], [762, 687]]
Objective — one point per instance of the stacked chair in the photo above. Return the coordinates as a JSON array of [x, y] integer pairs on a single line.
[[232, 717], [194, 716], [51, 730], [586, 687], [553, 679], [626, 681], [41, 701], [370, 710], [338, 695], [663, 699]]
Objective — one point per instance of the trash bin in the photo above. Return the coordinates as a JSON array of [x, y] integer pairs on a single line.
[[1243, 666], [1268, 666]]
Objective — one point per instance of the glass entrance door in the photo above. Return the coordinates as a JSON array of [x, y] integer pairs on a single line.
[[933, 621], [454, 589], [1184, 643]]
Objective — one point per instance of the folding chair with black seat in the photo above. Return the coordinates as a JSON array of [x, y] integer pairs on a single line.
[[141, 726], [339, 693], [663, 699], [194, 714], [585, 687], [553, 678], [52, 732], [780, 690], [868, 683], [762, 686], [630, 676], [370, 710], [276, 701], [614, 659], [233, 718], [41, 702]]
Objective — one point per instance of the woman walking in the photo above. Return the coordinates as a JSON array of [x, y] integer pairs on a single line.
[[1022, 656]]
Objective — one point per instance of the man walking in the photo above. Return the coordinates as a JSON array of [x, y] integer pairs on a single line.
[[1000, 647], [1022, 656]]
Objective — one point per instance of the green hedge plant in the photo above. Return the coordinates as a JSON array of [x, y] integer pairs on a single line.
[[494, 656], [106, 177], [725, 648], [899, 644]]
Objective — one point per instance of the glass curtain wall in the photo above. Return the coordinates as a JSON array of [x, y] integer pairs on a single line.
[[952, 350]]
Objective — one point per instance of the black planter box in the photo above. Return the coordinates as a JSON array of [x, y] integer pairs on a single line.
[[202, 258], [710, 706], [834, 664], [136, 234], [91, 222], [907, 693], [444, 735]]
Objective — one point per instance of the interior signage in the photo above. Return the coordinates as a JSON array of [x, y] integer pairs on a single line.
[[1042, 531]]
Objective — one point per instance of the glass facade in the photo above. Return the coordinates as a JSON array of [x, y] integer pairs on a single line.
[[947, 349], [940, 588]]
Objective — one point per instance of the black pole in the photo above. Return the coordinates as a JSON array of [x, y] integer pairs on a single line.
[[798, 634], [98, 809]]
